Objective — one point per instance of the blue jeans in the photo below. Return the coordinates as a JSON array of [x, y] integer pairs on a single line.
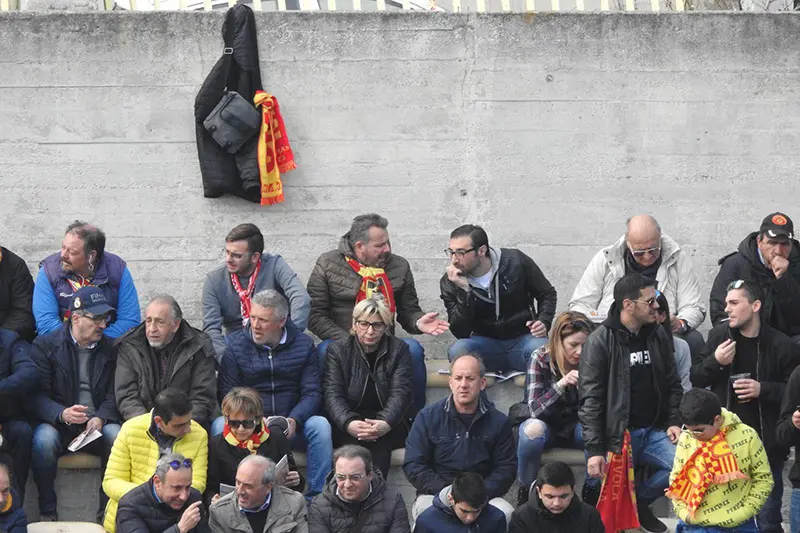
[[769, 519], [419, 380], [794, 511], [529, 449], [652, 447], [499, 354], [317, 442], [49, 444], [747, 527]]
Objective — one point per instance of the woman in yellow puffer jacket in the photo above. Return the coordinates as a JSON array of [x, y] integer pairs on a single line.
[[725, 506], [136, 451]]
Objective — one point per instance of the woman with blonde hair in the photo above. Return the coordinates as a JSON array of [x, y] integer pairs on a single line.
[[366, 385], [552, 397]]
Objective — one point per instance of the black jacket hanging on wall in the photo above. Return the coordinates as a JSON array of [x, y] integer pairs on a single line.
[[223, 172]]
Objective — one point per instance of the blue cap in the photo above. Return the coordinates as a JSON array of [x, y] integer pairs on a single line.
[[90, 299]]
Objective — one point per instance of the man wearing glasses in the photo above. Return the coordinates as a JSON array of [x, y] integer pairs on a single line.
[[229, 289], [143, 440], [770, 258], [357, 498], [628, 382], [76, 366], [499, 303], [644, 250], [747, 367], [167, 502]]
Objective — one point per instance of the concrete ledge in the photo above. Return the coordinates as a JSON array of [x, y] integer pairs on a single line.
[[398, 456], [64, 527], [79, 461], [564, 455]]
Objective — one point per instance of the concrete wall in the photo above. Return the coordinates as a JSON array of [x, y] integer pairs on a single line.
[[548, 129]]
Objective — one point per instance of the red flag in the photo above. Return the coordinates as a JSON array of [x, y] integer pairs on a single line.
[[617, 503]]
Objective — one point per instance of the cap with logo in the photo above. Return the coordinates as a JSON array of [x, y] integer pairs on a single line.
[[90, 299], [777, 225]]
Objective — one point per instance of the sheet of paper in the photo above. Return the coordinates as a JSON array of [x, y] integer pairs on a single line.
[[282, 468], [225, 489], [83, 439]]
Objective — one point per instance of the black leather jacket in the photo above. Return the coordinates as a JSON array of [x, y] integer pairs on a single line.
[[604, 384], [345, 379]]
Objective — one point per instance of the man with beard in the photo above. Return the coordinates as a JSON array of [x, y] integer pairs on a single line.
[[770, 258], [364, 264], [499, 303], [628, 382]]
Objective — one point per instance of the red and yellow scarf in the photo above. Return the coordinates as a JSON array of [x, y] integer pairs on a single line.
[[274, 153], [246, 294], [251, 444], [373, 280], [617, 503], [712, 462]]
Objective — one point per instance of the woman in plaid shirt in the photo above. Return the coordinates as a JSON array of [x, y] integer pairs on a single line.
[[552, 397]]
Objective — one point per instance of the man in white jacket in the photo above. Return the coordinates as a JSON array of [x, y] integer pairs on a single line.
[[645, 250]]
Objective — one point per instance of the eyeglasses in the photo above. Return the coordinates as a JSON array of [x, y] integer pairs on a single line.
[[650, 301], [735, 284], [642, 253], [459, 254], [351, 477], [246, 424], [692, 431], [365, 325], [236, 256], [99, 319], [176, 465]]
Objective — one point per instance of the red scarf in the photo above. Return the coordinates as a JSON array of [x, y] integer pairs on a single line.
[[617, 503], [246, 294], [251, 444], [373, 279]]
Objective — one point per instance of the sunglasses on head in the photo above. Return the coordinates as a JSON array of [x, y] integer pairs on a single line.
[[246, 424], [176, 465], [735, 284]]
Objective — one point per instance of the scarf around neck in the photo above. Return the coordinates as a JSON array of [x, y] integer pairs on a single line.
[[246, 294], [373, 281], [251, 444]]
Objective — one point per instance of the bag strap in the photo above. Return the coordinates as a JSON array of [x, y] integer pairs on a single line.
[[228, 50]]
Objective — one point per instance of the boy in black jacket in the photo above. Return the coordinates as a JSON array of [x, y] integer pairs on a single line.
[[553, 508], [746, 365]]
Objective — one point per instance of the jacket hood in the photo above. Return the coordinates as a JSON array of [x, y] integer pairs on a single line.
[[344, 247], [729, 419], [494, 287], [378, 488], [440, 501], [748, 249]]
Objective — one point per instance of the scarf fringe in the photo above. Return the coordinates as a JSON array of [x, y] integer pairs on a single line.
[[272, 200]]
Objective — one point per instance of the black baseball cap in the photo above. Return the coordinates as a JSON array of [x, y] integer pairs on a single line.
[[777, 225]]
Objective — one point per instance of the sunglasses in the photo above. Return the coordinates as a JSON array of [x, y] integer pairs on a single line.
[[692, 431], [650, 301], [246, 424], [735, 284], [642, 253], [176, 465]]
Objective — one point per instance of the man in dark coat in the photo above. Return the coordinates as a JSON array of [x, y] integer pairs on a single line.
[[356, 490], [166, 504], [554, 508], [165, 352], [747, 367], [16, 295], [76, 365], [462, 508], [237, 70], [770, 258]]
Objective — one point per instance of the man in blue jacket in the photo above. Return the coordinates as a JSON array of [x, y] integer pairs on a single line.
[[76, 364], [461, 508], [18, 377], [229, 288], [83, 261], [276, 359], [12, 516], [462, 433]]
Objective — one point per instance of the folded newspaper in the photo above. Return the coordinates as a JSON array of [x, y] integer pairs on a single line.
[[499, 376], [83, 439]]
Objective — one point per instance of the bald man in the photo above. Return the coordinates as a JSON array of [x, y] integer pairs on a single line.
[[644, 250]]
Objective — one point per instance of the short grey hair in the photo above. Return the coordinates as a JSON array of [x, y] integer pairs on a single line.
[[481, 365], [359, 229], [272, 299], [175, 309], [162, 466], [353, 451], [266, 462]]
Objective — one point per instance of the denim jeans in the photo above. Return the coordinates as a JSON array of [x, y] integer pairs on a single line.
[[794, 511], [769, 519], [317, 442], [18, 435], [747, 527], [419, 375], [652, 447], [48, 445], [529, 450], [499, 354]]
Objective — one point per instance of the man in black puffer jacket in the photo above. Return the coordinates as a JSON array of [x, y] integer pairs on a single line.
[[499, 303], [166, 504], [356, 495], [771, 259], [553, 507]]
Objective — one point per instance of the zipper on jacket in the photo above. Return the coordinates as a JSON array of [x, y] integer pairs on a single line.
[[272, 381], [374, 382]]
